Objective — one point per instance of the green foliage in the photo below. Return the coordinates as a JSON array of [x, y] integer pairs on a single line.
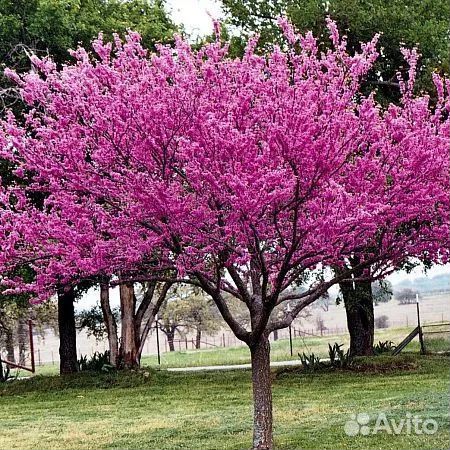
[[310, 363], [384, 347], [92, 321], [338, 358], [381, 291], [54, 26], [51, 27], [99, 362], [422, 23], [187, 308]]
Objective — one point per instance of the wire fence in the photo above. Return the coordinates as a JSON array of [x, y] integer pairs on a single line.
[[46, 342]]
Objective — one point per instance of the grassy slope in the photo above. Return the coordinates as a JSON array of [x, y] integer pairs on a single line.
[[213, 410]]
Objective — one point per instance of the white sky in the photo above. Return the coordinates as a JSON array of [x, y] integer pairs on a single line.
[[195, 15]]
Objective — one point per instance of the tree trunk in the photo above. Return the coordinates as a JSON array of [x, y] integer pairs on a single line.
[[358, 301], [128, 347], [22, 334], [9, 344], [262, 395], [170, 337], [110, 322], [67, 332], [198, 338], [275, 335]]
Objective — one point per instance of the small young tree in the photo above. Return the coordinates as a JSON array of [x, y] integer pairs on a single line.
[[187, 309], [201, 316]]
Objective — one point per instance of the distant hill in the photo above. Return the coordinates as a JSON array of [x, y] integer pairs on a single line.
[[426, 284]]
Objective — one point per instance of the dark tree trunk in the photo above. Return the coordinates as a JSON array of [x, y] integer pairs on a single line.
[[128, 344], [170, 337], [67, 332], [9, 344], [110, 322], [358, 301], [262, 395], [275, 335], [198, 338]]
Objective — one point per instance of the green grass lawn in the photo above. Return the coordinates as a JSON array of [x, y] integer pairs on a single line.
[[212, 410], [280, 351]]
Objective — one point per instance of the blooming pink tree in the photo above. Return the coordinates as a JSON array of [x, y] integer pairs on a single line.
[[241, 176]]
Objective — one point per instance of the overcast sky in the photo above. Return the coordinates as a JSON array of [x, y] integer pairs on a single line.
[[195, 15]]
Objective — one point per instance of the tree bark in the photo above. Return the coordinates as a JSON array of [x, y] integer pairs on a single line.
[[151, 309], [262, 394], [9, 344], [110, 322], [67, 332], [275, 335], [358, 302], [170, 337], [128, 345], [198, 338]]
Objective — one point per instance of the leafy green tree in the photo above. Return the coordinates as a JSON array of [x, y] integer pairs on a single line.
[[410, 22], [54, 26], [92, 321], [381, 291], [188, 309]]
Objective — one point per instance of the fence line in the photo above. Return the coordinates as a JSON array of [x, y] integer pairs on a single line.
[[222, 339]]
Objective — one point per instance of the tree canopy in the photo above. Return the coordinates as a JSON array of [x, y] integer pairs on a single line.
[[236, 175]]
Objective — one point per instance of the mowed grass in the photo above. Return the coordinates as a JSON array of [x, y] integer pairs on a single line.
[[280, 351], [212, 410]]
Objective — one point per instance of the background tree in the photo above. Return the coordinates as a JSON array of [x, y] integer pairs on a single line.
[[51, 27], [201, 316], [400, 22], [187, 309], [382, 291], [92, 321], [407, 295], [14, 316], [324, 302]]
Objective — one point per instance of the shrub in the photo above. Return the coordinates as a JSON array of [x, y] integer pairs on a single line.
[[99, 362], [382, 322], [310, 362], [338, 358], [384, 347]]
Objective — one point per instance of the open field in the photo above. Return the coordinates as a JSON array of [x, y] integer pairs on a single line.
[[280, 351], [433, 308], [213, 410]]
